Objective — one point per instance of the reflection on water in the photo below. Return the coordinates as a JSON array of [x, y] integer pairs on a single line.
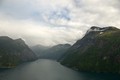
[[50, 70]]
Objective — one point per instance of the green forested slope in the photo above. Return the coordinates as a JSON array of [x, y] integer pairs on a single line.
[[13, 52], [97, 51]]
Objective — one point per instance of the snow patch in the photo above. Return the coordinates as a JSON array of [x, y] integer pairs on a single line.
[[101, 32], [96, 29]]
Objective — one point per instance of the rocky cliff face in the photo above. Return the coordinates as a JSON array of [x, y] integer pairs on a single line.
[[98, 51], [13, 52]]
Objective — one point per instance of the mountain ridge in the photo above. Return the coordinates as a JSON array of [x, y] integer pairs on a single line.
[[14, 52], [50, 52], [96, 51]]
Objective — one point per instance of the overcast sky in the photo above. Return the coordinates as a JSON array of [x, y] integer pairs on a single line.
[[51, 22]]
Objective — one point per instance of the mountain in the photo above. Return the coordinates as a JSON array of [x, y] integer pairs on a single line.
[[47, 52], [39, 50], [13, 52], [97, 51]]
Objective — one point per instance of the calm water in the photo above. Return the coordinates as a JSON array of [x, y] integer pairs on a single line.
[[50, 70]]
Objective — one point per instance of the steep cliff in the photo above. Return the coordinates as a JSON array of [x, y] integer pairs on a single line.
[[97, 51], [13, 52]]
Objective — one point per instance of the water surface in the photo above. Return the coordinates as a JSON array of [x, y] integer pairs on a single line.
[[44, 69]]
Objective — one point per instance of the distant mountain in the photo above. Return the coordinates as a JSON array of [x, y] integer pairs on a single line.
[[97, 51], [48, 52], [13, 52], [39, 50]]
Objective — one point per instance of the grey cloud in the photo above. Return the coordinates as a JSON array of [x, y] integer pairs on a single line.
[[65, 21]]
